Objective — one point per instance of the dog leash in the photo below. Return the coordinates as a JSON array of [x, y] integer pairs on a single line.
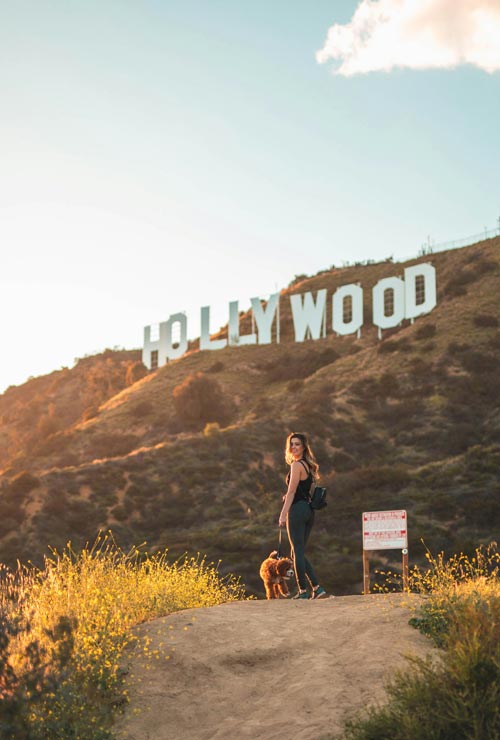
[[279, 543]]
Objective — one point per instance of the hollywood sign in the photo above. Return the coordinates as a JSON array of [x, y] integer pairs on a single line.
[[393, 299]]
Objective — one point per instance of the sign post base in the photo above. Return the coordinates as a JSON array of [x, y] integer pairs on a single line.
[[366, 573], [406, 586]]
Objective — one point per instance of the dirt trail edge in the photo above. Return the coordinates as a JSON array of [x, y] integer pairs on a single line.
[[265, 669]]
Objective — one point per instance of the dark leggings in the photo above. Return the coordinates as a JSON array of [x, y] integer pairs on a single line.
[[299, 524]]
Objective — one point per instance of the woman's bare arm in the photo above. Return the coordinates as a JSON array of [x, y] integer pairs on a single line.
[[295, 469]]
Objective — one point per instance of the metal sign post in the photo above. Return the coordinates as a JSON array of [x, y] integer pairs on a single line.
[[384, 530]]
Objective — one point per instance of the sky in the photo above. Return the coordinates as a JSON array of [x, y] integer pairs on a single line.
[[163, 155]]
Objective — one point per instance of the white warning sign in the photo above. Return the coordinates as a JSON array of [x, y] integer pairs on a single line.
[[385, 530]]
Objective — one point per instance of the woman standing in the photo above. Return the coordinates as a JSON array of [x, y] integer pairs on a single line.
[[297, 514]]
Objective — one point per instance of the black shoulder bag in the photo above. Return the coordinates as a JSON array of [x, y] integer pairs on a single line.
[[318, 498]]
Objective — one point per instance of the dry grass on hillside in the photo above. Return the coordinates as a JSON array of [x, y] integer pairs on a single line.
[[412, 421]]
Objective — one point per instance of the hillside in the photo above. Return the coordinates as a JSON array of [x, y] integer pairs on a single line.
[[412, 421], [46, 407]]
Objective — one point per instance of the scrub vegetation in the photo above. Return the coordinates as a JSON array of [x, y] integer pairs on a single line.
[[456, 694], [64, 630]]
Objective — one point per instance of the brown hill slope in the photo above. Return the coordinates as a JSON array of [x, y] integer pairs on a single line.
[[51, 404], [410, 422]]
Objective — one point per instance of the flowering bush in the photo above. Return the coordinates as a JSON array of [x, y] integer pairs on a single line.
[[64, 629], [455, 696]]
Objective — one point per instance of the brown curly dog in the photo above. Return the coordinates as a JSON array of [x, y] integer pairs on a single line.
[[275, 572]]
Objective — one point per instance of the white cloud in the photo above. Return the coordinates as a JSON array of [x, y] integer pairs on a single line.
[[417, 34]]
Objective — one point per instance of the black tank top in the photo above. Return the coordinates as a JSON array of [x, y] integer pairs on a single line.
[[302, 492]]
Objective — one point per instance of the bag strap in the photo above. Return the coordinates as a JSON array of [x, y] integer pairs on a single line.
[[305, 466]]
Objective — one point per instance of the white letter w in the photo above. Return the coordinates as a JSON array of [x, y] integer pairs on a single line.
[[308, 316]]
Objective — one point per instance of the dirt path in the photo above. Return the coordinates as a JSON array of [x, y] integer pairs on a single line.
[[258, 669]]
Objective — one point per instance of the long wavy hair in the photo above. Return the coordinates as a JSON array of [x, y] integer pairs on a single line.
[[308, 455]]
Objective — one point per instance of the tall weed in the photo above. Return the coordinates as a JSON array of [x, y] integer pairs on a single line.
[[64, 629], [455, 695]]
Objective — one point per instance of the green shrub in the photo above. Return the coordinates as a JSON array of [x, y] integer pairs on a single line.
[[455, 288], [113, 444], [64, 629], [142, 409], [120, 513], [485, 319], [485, 265], [135, 371], [386, 386], [394, 345], [478, 362], [90, 412], [299, 364], [341, 461], [452, 702], [293, 386], [55, 443], [456, 285], [397, 414], [199, 400], [9, 520], [456, 348], [30, 692], [55, 503], [426, 331], [297, 279], [23, 483], [455, 696]]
